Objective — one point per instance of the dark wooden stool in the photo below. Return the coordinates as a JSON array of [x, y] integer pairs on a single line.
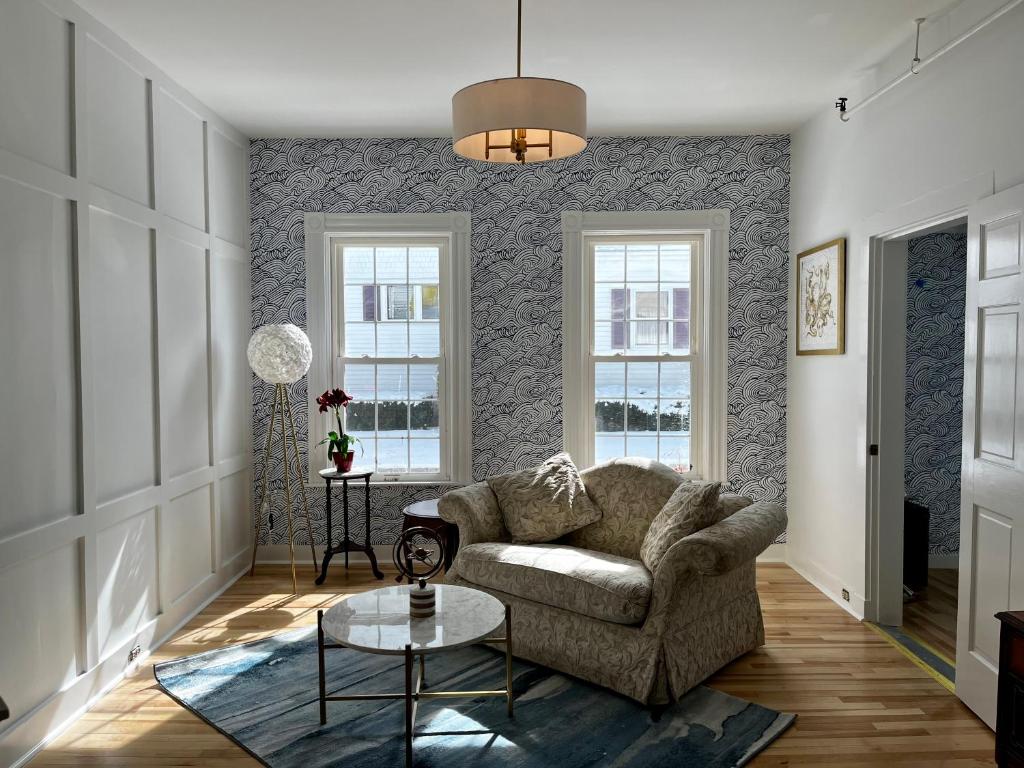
[[425, 514]]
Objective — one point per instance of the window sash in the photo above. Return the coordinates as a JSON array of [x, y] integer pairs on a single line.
[[629, 314], [381, 300]]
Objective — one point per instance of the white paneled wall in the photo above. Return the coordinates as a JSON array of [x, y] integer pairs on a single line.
[[124, 315]]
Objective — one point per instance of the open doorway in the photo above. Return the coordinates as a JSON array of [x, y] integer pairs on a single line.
[[936, 296]]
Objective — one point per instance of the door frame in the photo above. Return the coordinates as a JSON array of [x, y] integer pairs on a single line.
[[884, 235]]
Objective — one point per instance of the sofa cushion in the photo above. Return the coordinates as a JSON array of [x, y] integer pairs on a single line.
[[595, 584], [691, 508], [542, 503]]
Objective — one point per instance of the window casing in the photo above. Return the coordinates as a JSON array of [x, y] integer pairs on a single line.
[[645, 338], [392, 329]]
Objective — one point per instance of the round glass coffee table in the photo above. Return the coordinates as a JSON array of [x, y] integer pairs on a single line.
[[378, 621]]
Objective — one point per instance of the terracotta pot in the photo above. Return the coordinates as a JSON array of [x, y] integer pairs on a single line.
[[343, 463]]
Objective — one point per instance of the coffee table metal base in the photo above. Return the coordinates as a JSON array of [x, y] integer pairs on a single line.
[[415, 681]]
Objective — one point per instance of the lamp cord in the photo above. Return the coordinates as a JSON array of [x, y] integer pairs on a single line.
[[519, 41]]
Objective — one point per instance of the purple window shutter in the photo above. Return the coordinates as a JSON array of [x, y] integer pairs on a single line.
[[618, 318], [680, 318], [370, 302]]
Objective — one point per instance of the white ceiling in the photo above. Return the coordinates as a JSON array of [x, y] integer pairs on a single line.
[[390, 67]]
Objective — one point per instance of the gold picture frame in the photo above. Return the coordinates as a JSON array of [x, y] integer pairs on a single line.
[[821, 299]]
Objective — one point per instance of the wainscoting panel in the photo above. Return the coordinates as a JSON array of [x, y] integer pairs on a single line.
[[119, 128], [40, 592], [122, 347], [35, 73], [36, 299], [122, 512], [126, 580], [184, 369], [180, 167]]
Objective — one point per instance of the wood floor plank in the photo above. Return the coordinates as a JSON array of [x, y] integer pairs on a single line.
[[860, 703]]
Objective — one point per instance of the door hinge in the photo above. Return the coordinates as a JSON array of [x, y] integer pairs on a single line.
[[873, 449]]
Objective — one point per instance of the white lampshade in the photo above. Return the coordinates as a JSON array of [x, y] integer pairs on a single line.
[[553, 114], [280, 354]]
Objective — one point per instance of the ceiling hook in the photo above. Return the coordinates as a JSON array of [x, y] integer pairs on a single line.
[[916, 62]]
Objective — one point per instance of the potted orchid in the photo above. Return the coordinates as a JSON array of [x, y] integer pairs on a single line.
[[338, 443]]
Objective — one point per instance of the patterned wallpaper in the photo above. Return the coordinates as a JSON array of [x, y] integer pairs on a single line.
[[516, 277], [936, 294]]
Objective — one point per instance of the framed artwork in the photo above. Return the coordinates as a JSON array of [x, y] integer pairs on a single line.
[[821, 299]]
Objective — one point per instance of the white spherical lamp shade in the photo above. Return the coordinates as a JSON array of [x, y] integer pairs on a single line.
[[551, 113], [280, 354]]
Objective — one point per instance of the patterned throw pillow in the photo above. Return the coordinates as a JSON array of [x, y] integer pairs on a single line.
[[543, 503], [692, 507]]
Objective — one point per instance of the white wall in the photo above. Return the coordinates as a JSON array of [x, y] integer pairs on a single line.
[[961, 118], [124, 314]]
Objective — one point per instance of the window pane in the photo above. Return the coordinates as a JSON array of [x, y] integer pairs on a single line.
[[422, 381], [392, 339], [674, 416], [607, 447], [360, 302], [359, 341], [392, 382], [609, 263], [424, 339], [647, 302], [357, 264], [642, 379], [366, 454], [393, 455], [426, 456], [608, 416], [391, 265], [646, 336], [645, 446], [642, 416], [360, 419], [424, 264], [675, 263], [430, 307], [641, 261], [675, 380], [423, 418], [675, 451], [603, 338], [392, 418], [359, 382], [609, 380], [399, 304], [610, 301]]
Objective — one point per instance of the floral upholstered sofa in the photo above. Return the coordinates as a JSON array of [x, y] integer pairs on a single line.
[[586, 604]]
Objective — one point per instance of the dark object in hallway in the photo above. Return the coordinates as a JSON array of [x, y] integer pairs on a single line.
[[915, 545], [4, 711], [1010, 702]]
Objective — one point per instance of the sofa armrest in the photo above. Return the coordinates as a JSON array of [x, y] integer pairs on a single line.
[[715, 551], [474, 509]]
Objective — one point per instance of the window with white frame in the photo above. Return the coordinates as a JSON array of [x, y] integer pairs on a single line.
[[395, 325], [641, 377]]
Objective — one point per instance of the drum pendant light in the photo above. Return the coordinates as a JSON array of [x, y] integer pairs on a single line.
[[519, 119]]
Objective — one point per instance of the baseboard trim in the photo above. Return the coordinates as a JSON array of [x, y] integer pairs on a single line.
[[69, 704], [830, 586], [776, 553], [277, 554], [951, 561]]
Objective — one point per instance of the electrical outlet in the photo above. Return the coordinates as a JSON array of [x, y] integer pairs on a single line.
[[846, 595], [134, 653]]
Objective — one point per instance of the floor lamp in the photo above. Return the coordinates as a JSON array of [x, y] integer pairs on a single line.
[[280, 355]]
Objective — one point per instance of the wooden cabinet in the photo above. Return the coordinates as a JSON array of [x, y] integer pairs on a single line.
[[1010, 712]]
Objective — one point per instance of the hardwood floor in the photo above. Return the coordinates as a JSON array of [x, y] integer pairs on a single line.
[[860, 703], [932, 617]]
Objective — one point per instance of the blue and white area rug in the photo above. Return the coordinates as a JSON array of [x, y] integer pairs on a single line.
[[263, 696]]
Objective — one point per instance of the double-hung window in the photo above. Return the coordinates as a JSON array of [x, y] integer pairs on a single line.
[[396, 337], [645, 341]]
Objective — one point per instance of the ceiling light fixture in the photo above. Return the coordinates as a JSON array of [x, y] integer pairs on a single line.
[[519, 119]]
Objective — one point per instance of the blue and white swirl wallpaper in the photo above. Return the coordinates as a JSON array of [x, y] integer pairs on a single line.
[[936, 296], [517, 277]]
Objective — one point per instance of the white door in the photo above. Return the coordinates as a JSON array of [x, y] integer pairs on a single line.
[[992, 496]]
